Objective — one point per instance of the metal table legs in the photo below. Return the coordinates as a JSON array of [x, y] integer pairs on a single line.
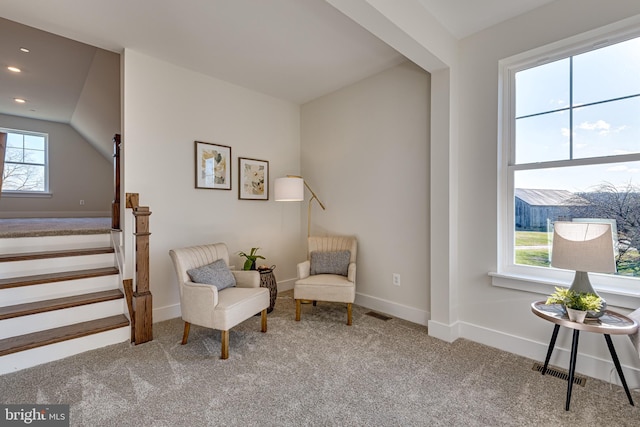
[[616, 362], [572, 362], [572, 367], [552, 344]]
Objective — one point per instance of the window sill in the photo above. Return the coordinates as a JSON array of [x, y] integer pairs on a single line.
[[545, 287], [16, 194]]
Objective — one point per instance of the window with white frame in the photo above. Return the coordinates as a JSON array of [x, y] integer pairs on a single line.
[[570, 150], [25, 162]]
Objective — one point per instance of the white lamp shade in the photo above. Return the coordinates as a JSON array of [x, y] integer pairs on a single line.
[[582, 246], [289, 189]]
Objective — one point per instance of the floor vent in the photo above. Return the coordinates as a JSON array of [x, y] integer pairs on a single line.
[[378, 315], [560, 373]]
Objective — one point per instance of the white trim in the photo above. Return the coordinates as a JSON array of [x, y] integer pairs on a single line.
[[617, 32], [27, 194], [46, 192], [540, 285], [621, 290], [168, 312], [587, 364], [415, 315], [286, 285], [448, 333]]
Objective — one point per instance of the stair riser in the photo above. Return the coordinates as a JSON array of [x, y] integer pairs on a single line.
[[53, 319], [26, 359], [25, 294], [51, 243], [55, 265]]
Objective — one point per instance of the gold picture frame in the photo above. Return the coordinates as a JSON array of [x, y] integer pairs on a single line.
[[253, 179]]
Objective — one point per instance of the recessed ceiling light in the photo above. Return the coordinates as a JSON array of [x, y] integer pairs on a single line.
[[14, 69], [20, 100], [24, 49]]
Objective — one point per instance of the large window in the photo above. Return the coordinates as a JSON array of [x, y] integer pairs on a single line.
[[571, 150], [25, 163]]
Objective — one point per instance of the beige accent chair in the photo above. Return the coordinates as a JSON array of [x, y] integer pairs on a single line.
[[327, 287], [204, 305]]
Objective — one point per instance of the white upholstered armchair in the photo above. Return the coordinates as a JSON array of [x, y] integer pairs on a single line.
[[205, 305], [329, 274]]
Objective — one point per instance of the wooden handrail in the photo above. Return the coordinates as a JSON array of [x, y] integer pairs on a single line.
[[115, 204]]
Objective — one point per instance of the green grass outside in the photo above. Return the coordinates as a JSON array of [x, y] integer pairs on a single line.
[[629, 265], [531, 238], [537, 257]]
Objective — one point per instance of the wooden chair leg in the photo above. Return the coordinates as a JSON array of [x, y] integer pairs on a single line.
[[185, 335], [298, 307], [225, 344], [349, 314], [264, 320]]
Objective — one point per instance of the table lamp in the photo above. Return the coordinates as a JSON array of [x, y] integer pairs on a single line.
[[291, 189], [583, 247]]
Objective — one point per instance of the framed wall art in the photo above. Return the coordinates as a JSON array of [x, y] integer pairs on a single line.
[[253, 179], [213, 166]]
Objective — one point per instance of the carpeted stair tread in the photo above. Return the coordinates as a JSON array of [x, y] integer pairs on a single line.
[[59, 303], [55, 254], [13, 282], [64, 333]]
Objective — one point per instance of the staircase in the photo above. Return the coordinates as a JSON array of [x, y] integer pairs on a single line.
[[59, 296]]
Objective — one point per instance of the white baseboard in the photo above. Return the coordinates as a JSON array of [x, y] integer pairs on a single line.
[[400, 311], [167, 312], [587, 364], [448, 333], [286, 285]]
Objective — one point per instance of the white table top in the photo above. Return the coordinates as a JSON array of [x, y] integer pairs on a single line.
[[610, 323]]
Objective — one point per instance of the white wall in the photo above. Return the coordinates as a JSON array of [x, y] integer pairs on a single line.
[[492, 315], [97, 113], [365, 152], [166, 109], [77, 172]]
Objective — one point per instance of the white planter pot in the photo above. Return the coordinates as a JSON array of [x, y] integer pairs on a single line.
[[576, 315]]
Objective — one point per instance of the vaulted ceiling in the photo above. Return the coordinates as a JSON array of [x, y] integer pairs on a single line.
[[291, 49]]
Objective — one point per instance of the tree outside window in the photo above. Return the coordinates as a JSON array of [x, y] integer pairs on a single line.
[[25, 162], [574, 150]]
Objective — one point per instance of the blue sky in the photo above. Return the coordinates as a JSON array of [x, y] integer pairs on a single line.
[[600, 130]]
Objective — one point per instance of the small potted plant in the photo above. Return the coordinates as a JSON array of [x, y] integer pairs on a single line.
[[577, 304], [251, 257]]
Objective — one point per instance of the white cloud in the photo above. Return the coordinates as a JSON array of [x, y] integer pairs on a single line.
[[600, 125]]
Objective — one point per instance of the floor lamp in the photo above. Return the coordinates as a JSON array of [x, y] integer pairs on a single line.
[[291, 189]]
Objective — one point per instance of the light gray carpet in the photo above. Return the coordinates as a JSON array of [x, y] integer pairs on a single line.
[[316, 372], [36, 227]]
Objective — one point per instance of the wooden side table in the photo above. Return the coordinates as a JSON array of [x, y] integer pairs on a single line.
[[610, 323]]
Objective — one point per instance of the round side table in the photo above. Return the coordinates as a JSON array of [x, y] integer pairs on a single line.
[[610, 323]]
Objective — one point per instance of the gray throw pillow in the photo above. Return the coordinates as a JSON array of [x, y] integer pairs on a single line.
[[335, 262], [217, 274]]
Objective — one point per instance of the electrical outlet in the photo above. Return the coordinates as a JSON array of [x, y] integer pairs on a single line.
[[81, 202], [396, 279]]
